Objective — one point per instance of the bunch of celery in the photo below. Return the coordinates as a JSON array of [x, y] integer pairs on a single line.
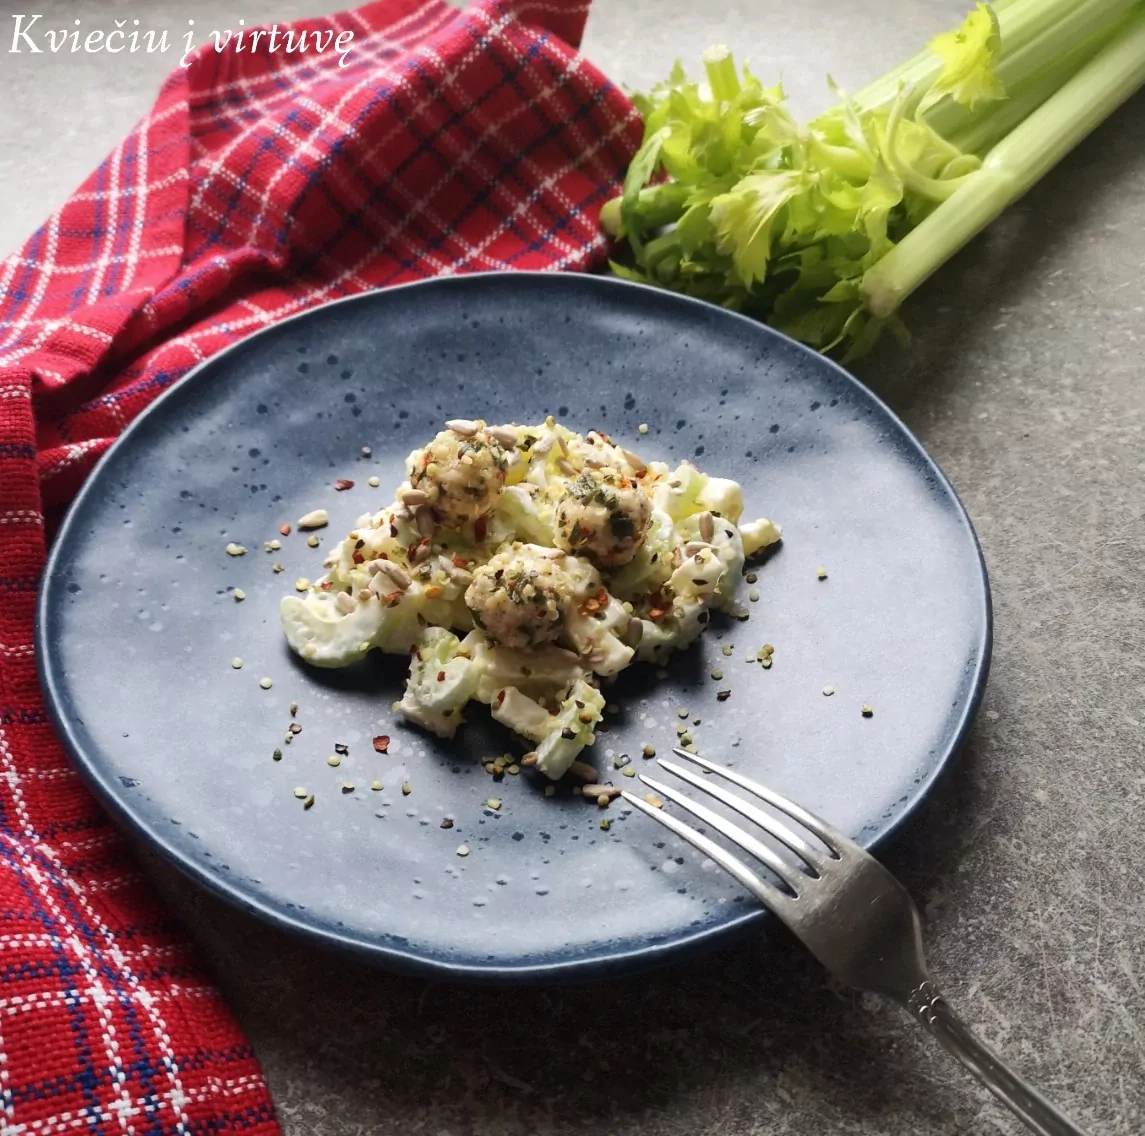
[[822, 229]]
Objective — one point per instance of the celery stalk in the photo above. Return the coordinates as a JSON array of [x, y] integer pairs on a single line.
[[1011, 168], [721, 72], [658, 205]]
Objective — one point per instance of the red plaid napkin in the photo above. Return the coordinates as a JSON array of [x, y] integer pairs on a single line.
[[257, 186]]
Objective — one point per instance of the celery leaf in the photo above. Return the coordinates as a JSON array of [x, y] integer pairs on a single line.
[[968, 56]]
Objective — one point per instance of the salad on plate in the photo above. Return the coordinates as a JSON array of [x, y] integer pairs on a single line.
[[524, 567]]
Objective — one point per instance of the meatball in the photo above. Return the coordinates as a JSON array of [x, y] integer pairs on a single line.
[[461, 472], [519, 598], [604, 516]]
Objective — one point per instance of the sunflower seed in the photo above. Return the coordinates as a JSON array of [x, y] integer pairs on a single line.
[[504, 435], [463, 426], [397, 576], [315, 519]]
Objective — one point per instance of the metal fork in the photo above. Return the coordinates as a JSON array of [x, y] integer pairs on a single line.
[[849, 911]]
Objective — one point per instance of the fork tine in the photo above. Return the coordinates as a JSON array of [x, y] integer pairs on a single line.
[[836, 842], [813, 858], [766, 893], [789, 874]]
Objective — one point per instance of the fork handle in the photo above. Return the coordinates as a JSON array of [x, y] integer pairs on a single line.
[[1021, 1098]]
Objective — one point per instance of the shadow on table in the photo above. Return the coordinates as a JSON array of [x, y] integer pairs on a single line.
[[763, 1012]]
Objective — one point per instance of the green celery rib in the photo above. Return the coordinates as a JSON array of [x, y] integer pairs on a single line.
[[721, 71], [656, 205], [1012, 167]]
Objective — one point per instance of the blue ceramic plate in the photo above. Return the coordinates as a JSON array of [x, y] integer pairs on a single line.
[[138, 624]]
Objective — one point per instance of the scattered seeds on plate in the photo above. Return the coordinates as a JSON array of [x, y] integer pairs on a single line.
[[649, 751], [277, 755], [347, 786], [334, 760], [717, 675], [643, 427], [605, 824], [239, 595], [447, 822], [828, 691], [374, 482], [313, 541], [293, 709], [235, 549], [366, 451], [382, 743], [751, 577], [463, 850], [276, 567], [376, 786], [727, 649], [265, 683], [271, 545], [493, 803], [753, 595], [309, 802], [301, 793], [653, 800], [866, 711], [302, 584], [406, 789], [237, 663], [821, 573], [723, 695]]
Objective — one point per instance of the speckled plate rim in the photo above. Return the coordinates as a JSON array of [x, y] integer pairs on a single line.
[[591, 968]]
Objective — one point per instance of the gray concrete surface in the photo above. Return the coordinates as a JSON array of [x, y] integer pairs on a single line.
[[1025, 383]]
